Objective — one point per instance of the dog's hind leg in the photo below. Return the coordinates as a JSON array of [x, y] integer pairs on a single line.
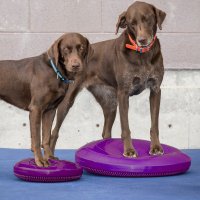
[[106, 96]]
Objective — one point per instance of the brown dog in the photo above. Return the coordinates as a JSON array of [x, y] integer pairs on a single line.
[[36, 85], [121, 68]]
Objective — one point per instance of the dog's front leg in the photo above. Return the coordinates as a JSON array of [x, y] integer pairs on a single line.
[[35, 125], [156, 148], [62, 111], [47, 121], [123, 98]]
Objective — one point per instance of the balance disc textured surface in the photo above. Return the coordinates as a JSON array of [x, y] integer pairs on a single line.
[[58, 171], [105, 157]]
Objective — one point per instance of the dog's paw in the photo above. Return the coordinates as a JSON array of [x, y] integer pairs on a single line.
[[45, 163], [130, 153], [53, 158], [156, 150], [42, 163]]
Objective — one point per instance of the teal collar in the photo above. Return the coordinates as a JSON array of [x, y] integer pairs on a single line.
[[59, 74]]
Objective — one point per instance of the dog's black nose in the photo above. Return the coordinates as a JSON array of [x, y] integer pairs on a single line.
[[142, 40], [75, 66]]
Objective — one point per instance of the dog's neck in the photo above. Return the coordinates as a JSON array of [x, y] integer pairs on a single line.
[[134, 46], [124, 39], [59, 69]]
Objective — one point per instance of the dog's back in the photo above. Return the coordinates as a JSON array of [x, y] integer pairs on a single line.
[[15, 79], [101, 63]]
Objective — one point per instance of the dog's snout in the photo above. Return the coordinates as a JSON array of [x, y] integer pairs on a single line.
[[75, 66], [142, 40]]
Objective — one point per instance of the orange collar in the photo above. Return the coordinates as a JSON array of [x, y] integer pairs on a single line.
[[137, 48]]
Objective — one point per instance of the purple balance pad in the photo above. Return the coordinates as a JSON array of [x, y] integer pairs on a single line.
[[105, 157], [58, 171]]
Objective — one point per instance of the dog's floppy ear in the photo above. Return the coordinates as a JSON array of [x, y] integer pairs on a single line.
[[54, 50], [121, 22], [89, 50], [160, 16]]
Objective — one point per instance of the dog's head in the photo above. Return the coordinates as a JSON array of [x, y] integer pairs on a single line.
[[71, 52], [141, 20]]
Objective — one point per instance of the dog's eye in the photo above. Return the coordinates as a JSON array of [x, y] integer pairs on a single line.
[[134, 22], [67, 50], [81, 48], [149, 19], [144, 19]]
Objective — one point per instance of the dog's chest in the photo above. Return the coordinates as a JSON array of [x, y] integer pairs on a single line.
[[56, 96], [142, 77]]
